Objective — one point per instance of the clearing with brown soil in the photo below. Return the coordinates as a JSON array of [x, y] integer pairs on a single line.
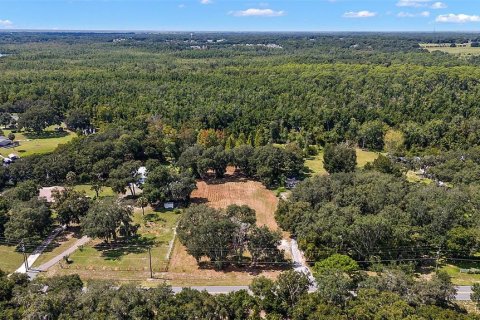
[[233, 189]]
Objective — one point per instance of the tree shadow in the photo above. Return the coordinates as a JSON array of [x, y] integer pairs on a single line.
[[246, 267], [117, 249], [64, 236], [46, 134]]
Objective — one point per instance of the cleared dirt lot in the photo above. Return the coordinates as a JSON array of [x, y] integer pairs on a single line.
[[219, 194], [240, 191]]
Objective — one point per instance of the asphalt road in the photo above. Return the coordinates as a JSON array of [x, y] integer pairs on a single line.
[[463, 292]]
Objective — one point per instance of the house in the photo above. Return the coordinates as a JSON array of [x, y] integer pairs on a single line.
[[291, 183], [169, 205], [142, 175], [5, 142]]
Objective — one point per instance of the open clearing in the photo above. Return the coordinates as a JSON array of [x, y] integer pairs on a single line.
[[459, 278], [10, 259], [105, 192], [125, 262], [183, 268], [315, 164], [460, 51], [31, 144]]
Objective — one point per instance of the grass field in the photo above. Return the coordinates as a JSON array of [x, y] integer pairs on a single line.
[[461, 51], [98, 260], [105, 192], [10, 259], [315, 164], [32, 144], [459, 278]]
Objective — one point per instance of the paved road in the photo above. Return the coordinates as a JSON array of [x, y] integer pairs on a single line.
[[44, 267], [39, 250], [463, 293]]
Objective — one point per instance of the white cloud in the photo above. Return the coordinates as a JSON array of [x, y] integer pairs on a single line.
[[206, 1], [413, 3], [253, 12], [421, 3], [423, 14], [181, 6], [359, 14], [438, 5], [457, 18], [5, 23]]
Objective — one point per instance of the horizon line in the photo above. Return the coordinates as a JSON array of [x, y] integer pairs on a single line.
[[228, 31]]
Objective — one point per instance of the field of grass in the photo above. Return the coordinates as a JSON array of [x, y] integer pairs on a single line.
[[461, 51], [10, 259], [105, 192], [413, 177], [315, 164], [33, 144], [120, 261], [459, 278]]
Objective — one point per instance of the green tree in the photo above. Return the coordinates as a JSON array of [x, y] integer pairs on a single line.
[[475, 295], [107, 219], [39, 116], [339, 158], [142, 202], [70, 205], [30, 220], [263, 245], [77, 119]]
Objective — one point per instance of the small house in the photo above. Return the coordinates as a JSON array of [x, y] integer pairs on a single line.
[[291, 183], [169, 205], [142, 175], [5, 142]]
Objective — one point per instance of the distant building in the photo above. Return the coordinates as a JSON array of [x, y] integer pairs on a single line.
[[5, 142], [142, 175], [291, 183], [169, 205]]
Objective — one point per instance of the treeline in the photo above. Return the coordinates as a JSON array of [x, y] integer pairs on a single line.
[[25, 218], [224, 236], [376, 216], [387, 82], [67, 297]]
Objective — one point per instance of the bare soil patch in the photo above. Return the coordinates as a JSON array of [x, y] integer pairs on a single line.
[[235, 189], [220, 193]]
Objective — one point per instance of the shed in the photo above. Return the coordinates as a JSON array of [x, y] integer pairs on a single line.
[[291, 183], [169, 205], [5, 142]]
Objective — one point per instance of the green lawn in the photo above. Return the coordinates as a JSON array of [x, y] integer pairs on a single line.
[[459, 278], [10, 259], [105, 192], [315, 164], [413, 177], [34, 144], [97, 260]]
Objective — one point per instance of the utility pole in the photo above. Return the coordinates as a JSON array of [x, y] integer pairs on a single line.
[[436, 260], [150, 261], [25, 258]]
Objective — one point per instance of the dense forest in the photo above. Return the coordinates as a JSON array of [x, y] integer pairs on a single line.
[[187, 106]]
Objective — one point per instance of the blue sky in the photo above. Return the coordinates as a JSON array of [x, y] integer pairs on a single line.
[[242, 15]]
